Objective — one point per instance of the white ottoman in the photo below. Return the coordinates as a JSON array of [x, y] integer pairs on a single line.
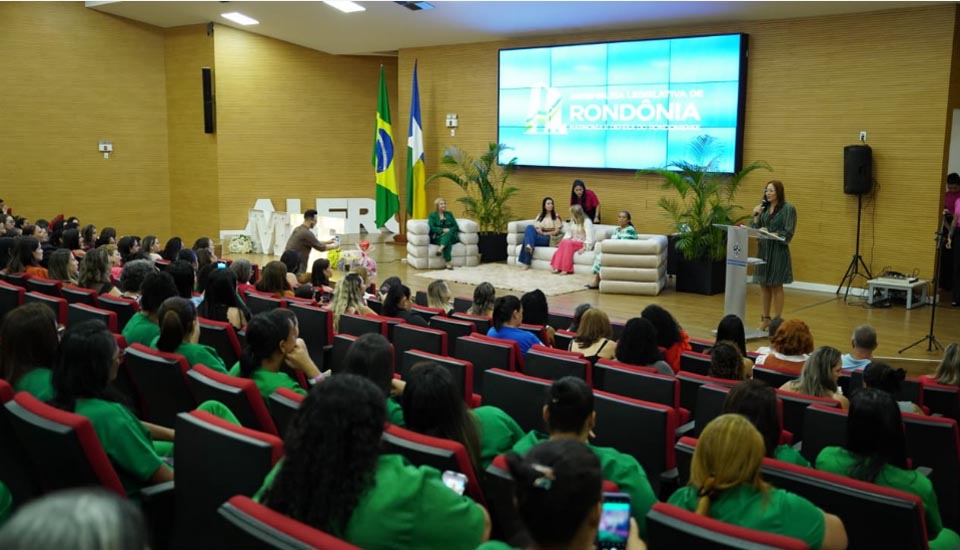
[[423, 255], [634, 267]]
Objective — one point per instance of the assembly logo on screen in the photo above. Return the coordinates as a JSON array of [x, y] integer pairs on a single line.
[[545, 111]]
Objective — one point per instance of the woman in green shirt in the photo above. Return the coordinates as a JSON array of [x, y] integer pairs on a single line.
[[758, 402], [334, 478], [371, 356], [432, 405], [29, 351], [876, 452], [180, 334], [142, 328], [444, 230], [273, 340], [568, 414], [725, 484]]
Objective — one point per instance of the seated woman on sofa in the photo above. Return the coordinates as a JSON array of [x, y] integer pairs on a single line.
[[625, 232], [578, 237], [545, 230], [444, 230]]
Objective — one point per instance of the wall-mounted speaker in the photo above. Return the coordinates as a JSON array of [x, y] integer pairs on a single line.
[[857, 169], [209, 102]]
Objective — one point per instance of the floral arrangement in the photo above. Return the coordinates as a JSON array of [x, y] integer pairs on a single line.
[[241, 244]]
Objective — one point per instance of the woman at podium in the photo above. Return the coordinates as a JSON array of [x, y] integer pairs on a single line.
[[779, 218]]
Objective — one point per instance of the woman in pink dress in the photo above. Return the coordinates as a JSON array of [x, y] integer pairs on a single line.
[[577, 238]]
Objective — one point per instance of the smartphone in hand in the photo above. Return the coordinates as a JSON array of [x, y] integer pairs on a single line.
[[614, 522]]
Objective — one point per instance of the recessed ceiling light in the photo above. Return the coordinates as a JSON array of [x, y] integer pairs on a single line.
[[346, 6], [239, 18]]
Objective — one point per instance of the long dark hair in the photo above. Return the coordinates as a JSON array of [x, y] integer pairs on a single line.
[[574, 199], [221, 295], [668, 330], [370, 356], [85, 366], [731, 329], [638, 343], [543, 209], [556, 486], [264, 333], [28, 340], [503, 309], [395, 296], [70, 239], [432, 405], [22, 256], [176, 318], [273, 278], [317, 275], [332, 448], [875, 434], [171, 249], [535, 308], [758, 402], [569, 402]]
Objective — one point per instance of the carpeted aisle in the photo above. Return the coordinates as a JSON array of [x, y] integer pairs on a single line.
[[507, 277]]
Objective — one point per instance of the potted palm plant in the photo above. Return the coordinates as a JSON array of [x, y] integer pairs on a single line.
[[484, 182], [705, 199]]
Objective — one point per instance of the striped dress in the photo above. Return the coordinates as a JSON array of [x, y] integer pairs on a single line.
[[778, 269], [626, 233]]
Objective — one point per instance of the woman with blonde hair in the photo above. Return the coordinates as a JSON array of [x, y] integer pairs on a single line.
[[438, 296], [948, 371], [725, 484], [577, 238], [819, 376], [95, 272], [444, 230], [483, 298], [349, 299], [594, 336]]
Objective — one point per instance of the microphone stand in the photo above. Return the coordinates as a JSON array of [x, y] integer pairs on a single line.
[[931, 339]]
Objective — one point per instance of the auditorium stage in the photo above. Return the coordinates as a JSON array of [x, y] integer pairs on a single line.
[[830, 319]]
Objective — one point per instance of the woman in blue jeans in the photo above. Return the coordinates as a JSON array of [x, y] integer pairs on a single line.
[[539, 233]]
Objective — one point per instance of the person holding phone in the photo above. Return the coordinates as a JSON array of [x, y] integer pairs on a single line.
[[568, 414], [560, 500], [777, 217], [302, 240], [726, 484]]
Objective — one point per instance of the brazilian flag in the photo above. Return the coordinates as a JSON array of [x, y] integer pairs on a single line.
[[388, 198]]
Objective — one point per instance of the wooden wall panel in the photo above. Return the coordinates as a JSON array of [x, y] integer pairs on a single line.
[[73, 76], [194, 182], [294, 122], [813, 84]]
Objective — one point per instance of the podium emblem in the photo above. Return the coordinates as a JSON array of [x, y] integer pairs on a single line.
[[736, 249]]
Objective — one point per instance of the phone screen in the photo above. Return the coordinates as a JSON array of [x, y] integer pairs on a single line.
[[614, 522], [455, 481]]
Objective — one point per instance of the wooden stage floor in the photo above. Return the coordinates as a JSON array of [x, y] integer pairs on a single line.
[[830, 318]]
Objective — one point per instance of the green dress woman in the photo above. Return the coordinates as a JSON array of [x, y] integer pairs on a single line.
[[444, 230], [779, 218]]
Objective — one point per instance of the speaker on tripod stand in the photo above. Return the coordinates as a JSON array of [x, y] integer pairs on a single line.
[[857, 180]]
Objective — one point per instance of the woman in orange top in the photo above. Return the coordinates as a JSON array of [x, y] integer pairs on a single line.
[[273, 280], [671, 338], [792, 345], [26, 258]]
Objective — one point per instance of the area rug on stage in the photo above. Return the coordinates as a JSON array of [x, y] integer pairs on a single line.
[[510, 277]]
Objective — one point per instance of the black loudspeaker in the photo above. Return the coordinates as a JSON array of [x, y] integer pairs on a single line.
[[857, 169], [209, 102]]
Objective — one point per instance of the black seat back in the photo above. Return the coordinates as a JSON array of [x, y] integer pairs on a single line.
[[358, 325], [710, 400], [160, 381], [484, 356], [554, 367], [341, 345], [455, 328], [123, 307], [519, 396], [410, 337], [316, 329], [934, 442], [822, 427], [636, 384], [223, 338]]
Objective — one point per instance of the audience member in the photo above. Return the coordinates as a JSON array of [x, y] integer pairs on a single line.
[[113, 255], [507, 318], [88, 237], [302, 240], [638, 346], [127, 246], [77, 518], [95, 272], [203, 276], [433, 405], [577, 315], [757, 401], [29, 351], [385, 287], [726, 484], [349, 299], [819, 376], [537, 312], [205, 243], [185, 278], [948, 371], [291, 260], [558, 494], [272, 341], [189, 256], [63, 266], [70, 239], [594, 337], [220, 301], [568, 413], [107, 236], [439, 296], [204, 258], [883, 377], [172, 249], [876, 452], [483, 298], [26, 258], [180, 334], [334, 477], [371, 356], [671, 338], [243, 270], [10, 226], [863, 343], [273, 280], [320, 274], [726, 361], [131, 277], [151, 245], [143, 328], [790, 347], [731, 329], [398, 304]]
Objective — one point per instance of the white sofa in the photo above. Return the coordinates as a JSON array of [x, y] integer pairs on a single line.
[[627, 267], [423, 255]]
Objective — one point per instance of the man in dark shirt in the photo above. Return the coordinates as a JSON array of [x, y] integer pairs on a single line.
[[302, 240]]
